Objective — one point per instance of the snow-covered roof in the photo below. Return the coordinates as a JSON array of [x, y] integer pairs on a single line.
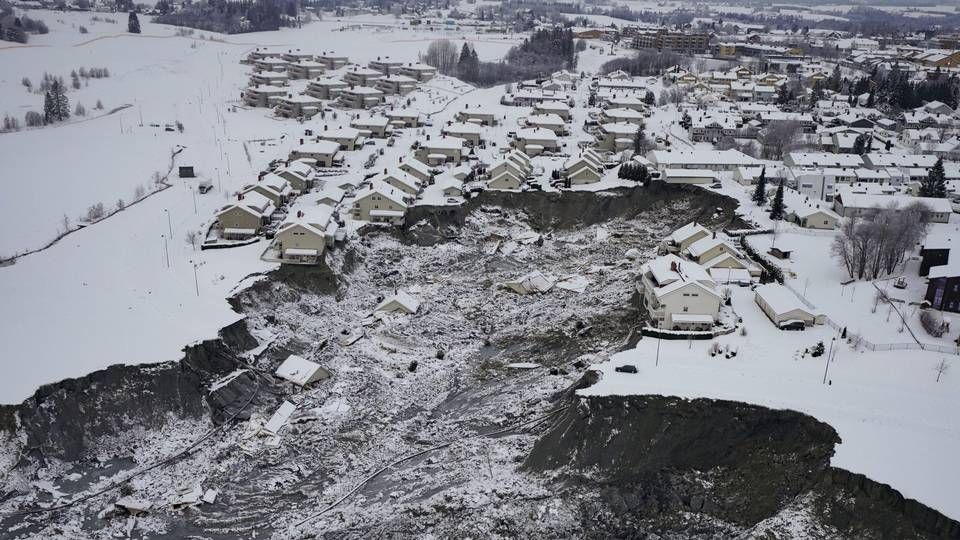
[[465, 128], [318, 147], [620, 128], [824, 159], [781, 299], [537, 134], [700, 157], [406, 301], [445, 143], [687, 231], [384, 190], [299, 370], [671, 273], [704, 245]]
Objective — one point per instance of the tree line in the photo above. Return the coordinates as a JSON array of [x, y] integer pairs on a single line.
[[874, 247], [234, 17], [544, 52]]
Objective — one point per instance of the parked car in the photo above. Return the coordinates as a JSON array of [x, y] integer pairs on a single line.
[[626, 368]]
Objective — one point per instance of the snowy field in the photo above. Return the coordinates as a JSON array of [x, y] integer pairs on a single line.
[[891, 414]]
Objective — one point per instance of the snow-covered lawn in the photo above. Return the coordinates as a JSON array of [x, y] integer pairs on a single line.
[[894, 420]]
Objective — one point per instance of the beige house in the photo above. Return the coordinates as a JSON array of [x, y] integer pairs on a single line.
[[407, 183], [553, 107], [298, 174], [404, 118], [680, 239], [505, 180], [477, 116], [471, 133], [305, 69], [689, 176], [325, 88], [417, 169], [548, 121], [360, 76], [385, 65], [707, 248], [271, 64], [420, 72], [273, 187], [587, 168], [296, 55], [245, 217], [396, 85], [678, 294], [535, 141], [508, 166], [379, 203], [628, 116], [263, 95], [347, 138], [811, 217], [269, 78], [616, 136], [783, 307], [322, 152], [331, 60], [300, 242], [299, 106], [360, 97], [305, 235], [441, 150], [375, 126]]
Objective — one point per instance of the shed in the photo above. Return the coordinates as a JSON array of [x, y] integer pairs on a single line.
[[782, 306], [186, 171], [400, 302], [301, 371]]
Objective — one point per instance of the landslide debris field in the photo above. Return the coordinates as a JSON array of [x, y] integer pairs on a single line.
[[457, 421], [410, 383]]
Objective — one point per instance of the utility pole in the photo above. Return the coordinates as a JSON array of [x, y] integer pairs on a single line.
[[829, 354], [166, 250], [196, 282], [657, 361], [194, 200]]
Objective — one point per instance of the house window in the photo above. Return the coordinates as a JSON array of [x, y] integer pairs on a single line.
[[685, 309]]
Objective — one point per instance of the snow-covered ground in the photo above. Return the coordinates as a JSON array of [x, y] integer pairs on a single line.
[[103, 295], [893, 417]]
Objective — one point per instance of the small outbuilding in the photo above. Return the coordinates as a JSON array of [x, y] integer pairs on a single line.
[[301, 371], [785, 308], [401, 302]]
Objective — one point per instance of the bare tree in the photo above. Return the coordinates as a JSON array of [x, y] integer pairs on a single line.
[[441, 54], [779, 138], [871, 248]]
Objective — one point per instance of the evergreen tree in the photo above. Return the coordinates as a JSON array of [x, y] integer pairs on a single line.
[[49, 110], [133, 23], [760, 193], [61, 104], [776, 208], [639, 141], [860, 144], [649, 98], [935, 184]]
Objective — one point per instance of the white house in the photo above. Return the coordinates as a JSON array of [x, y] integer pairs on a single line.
[[679, 294]]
